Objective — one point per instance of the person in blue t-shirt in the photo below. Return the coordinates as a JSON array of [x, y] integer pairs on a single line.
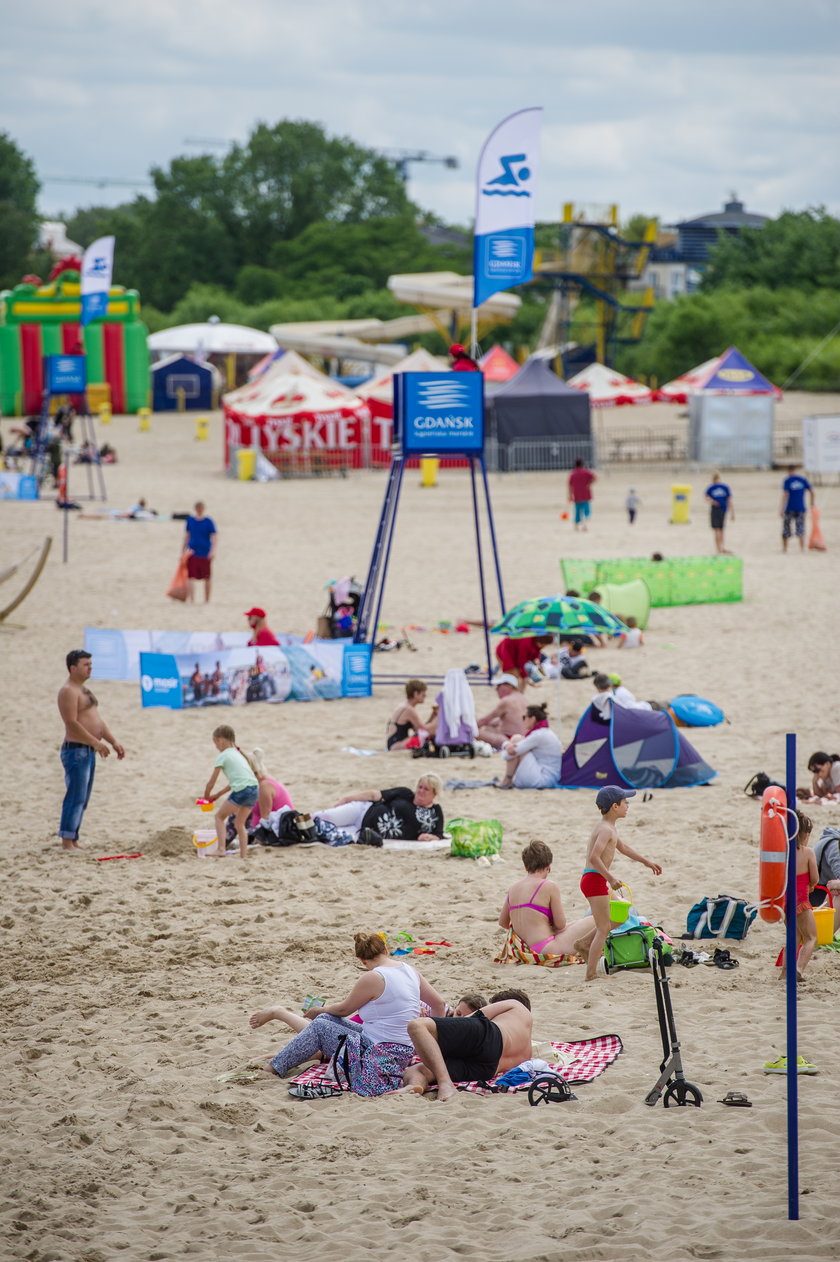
[[793, 510], [719, 496], [200, 547]]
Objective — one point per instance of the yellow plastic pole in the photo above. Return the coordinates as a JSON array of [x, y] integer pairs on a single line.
[[201, 424], [145, 423]]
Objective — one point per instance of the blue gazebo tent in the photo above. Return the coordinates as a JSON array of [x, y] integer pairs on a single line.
[[731, 415], [199, 381]]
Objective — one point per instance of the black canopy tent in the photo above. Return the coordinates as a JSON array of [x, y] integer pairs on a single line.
[[537, 404]]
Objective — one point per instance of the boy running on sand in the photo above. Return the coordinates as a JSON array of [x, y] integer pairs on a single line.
[[597, 878]]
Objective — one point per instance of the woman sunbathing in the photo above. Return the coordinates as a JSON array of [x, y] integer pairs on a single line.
[[534, 910], [387, 997]]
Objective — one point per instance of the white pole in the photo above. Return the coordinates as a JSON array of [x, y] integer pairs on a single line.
[[474, 333]]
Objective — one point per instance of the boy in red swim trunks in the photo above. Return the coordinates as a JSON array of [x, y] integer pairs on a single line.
[[597, 879]]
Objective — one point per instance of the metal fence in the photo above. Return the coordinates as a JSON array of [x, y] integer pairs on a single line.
[[634, 446]]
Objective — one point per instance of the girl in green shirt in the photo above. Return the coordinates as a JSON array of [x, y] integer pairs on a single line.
[[244, 788]]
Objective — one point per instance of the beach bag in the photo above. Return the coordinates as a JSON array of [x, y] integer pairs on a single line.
[[629, 948], [720, 917], [472, 838], [179, 588]]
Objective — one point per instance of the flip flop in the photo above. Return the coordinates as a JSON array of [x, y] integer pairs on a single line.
[[736, 1100], [723, 959], [315, 1090]]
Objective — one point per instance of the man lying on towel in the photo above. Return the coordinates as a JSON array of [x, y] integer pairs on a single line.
[[470, 1049]]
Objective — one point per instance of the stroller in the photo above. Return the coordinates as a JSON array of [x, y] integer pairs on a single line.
[[338, 621], [457, 729]]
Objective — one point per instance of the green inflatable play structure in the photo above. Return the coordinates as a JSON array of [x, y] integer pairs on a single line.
[[673, 581], [627, 600], [38, 320]]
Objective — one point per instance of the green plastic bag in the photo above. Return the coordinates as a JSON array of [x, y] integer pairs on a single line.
[[474, 837]]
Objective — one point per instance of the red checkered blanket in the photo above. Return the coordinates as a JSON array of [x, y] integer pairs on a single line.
[[577, 1063]]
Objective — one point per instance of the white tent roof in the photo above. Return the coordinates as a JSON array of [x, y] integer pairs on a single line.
[[608, 388], [290, 386], [677, 390], [381, 387], [212, 338], [451, 292]]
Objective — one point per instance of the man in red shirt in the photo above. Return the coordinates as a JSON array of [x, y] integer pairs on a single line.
[[580, 492], [261, 632]]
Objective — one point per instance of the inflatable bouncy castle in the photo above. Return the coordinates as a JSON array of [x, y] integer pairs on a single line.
[[38, 320]]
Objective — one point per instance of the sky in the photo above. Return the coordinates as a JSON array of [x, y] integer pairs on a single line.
[[663, 108]]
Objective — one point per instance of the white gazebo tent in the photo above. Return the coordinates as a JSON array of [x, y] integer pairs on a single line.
[[609, 389]]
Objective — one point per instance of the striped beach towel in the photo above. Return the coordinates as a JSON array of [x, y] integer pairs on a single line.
[[516, 951], [578, 1062]]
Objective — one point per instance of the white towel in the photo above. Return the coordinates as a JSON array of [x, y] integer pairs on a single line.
[[458, 704]]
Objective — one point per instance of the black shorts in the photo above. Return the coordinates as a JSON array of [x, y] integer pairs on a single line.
[[718, 515], [471, 1047]]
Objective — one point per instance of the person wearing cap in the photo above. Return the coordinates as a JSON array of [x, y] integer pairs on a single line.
[[518, 656], [598, 879], [261, 633], [461, 361], [507, 719]]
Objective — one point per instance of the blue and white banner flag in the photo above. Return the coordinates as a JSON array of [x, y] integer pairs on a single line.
[[505, 205], [97, 267]]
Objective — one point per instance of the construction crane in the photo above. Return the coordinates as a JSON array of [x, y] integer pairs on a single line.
[[100, 182], [402, 157]]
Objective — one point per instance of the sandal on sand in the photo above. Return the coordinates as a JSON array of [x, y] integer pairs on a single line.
[[315, 1090], [736, 1100], [723, 959]]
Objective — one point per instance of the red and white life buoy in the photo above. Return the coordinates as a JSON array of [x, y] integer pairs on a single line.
[[772, 863], [61, 483]]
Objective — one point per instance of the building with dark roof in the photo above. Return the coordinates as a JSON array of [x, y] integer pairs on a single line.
[[697, 236]]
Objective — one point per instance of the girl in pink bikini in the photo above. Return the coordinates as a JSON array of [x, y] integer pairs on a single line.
[[534, 910]]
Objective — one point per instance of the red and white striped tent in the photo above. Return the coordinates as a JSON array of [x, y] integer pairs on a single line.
[[293, 409], [608, 388]]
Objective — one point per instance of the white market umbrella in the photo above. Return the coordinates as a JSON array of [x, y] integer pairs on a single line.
[[212, 338]]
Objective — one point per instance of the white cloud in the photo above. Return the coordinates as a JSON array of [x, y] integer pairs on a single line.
[[650, 105]]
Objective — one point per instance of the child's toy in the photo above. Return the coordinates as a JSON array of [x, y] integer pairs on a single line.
[[204, 840], [105, 858], [620, 907], [204, 803]]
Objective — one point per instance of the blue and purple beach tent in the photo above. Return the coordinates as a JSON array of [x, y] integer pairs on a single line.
[[641, 748]]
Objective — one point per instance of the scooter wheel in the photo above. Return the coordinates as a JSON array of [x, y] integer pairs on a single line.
[[681, 1094], [548, 1090]]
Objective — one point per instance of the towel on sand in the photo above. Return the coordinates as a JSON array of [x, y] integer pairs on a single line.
[[517, 951], [577, 1062]]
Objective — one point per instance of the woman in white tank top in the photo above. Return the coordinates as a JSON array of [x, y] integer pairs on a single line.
[[386, 997]]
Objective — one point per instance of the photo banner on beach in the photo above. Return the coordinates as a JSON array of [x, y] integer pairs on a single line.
[[116, 654], [320, 670], [503, 249]]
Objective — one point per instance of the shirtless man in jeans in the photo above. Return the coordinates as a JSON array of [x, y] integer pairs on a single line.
[[86, 734], [476, 1048]]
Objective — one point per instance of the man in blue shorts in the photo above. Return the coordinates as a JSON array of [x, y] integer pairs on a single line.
[[580, 493], [793, 510], [719, 496]]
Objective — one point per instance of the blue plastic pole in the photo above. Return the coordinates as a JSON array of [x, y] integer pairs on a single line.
[[480, 568], [790, 978]]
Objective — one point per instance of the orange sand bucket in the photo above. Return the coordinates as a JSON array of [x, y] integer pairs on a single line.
[[620, 907]]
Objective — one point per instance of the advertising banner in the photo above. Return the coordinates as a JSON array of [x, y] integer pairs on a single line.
[[503, 251], [65, 374], [324, 669], [439, 413], [97, 268], [821, 444]]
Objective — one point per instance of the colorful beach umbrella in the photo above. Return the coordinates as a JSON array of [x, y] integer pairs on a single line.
[[560, 616]]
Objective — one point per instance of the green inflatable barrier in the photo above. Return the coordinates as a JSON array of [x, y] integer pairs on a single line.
[[674, 581], [627, 600]]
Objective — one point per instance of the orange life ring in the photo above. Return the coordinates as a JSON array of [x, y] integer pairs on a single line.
[[772, 862], [61, 481]]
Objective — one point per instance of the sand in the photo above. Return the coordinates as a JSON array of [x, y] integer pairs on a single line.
[[127, 985]]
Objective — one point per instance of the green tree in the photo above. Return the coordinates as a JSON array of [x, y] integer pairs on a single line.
[[799, 250], [18, 215]]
